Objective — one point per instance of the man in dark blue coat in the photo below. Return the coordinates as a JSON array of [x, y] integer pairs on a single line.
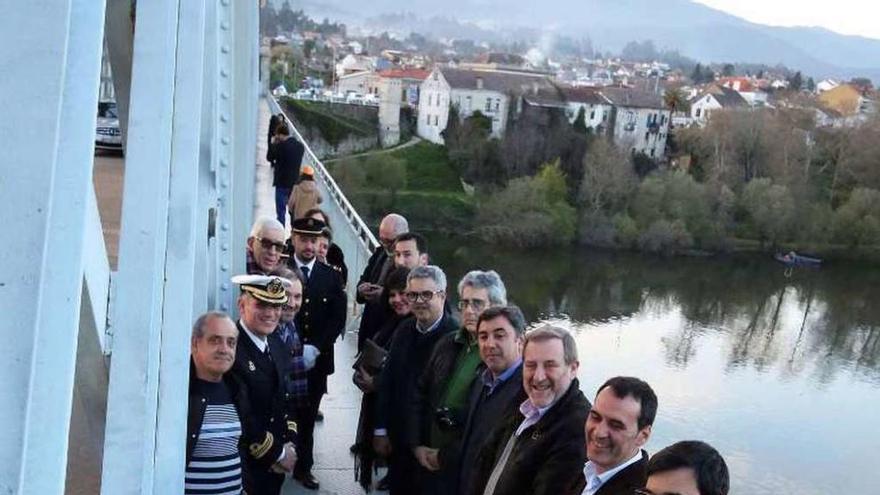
[[261, 363], [285, 154], [321, 320], [410, 351]]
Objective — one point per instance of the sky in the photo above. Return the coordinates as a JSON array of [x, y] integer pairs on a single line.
[[857, 17]]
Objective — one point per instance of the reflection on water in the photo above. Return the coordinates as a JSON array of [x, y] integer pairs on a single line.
[[780, 373]]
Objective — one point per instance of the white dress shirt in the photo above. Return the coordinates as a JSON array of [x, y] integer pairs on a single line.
[[595, 481]]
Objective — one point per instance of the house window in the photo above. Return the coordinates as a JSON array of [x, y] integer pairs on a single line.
[[497, 104], [592, 115], [698, 112], [648, 123], [488, 105], [652, 152], [662, 119], [647, 136], [435, 120], [467, 105], [430, 96], [438, 101]]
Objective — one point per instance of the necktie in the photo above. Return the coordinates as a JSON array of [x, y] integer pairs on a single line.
[[305, 271]]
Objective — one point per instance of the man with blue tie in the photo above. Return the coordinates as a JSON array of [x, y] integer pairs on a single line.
[[320, 321]]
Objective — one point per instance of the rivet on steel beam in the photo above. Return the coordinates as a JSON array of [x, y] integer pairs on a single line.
[[224, 307], [224, 183], [223, 73], [223, 163], [224, 2], [224, 286], [225, 247], [224, 26], [224, 117], [224, 267], [224, 95], [224, 140], [224, 49], [225, 226]]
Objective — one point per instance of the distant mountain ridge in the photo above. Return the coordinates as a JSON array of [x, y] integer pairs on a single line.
[[698, 31]]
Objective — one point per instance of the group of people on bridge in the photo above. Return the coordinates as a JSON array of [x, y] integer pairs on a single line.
[[454, 402]]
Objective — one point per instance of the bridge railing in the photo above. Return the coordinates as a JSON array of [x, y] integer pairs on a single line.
[[353, 219]]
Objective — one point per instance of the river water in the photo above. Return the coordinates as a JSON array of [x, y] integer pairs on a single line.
[[779, 372]]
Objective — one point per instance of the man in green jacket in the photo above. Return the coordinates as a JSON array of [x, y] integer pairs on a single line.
[[440, 406]]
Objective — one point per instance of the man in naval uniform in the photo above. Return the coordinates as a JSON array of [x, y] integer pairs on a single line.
[[261, 362], [321, 320]]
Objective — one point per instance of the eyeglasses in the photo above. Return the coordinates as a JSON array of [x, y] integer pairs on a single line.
[[269, 243], [424, 296], [287, 307], [475, 304]]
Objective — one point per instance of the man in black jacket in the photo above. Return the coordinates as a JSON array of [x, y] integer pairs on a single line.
[[439, 409], [285, 154], [372, 281], [618, 426], [496, 393], [411, 347], [539, 450], [218, 409], [321, 319], [261, 363]]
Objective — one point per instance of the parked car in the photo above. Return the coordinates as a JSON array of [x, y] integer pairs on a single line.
[[108, 136]]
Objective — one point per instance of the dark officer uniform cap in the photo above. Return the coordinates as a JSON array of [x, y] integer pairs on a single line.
[[270, 289], [308, 226]]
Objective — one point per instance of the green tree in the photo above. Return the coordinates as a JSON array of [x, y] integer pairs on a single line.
[[770, 208], [728, 70], [675, 100], [857, 222], [529, 211], [796, 82], [580, 122], [387, 173]]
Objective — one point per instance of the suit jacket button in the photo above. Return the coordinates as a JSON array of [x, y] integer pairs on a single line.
[[194, 435], [271, 420]]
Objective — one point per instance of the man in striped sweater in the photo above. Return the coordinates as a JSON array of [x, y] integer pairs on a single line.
[[213, 462]]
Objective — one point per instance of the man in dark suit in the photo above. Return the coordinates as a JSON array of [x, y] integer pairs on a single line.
[[690, 467], [369, 288], [285, 154], [261, 361], [539, 450], [411, 348], [618, 426], [497, 391], [321, 320]]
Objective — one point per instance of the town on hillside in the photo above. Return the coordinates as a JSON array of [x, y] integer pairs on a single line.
[[636, 97]]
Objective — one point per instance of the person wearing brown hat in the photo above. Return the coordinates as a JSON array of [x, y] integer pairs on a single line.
[[305, 195], [261, 361], [321, 320]]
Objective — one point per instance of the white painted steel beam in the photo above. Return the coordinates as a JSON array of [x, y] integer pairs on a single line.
[[130, 437], [51, 64], [119, 34], [244, 73], [182, 252]]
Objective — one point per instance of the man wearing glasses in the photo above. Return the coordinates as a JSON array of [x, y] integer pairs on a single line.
[[265, 246], [411, 348], [439, 410]]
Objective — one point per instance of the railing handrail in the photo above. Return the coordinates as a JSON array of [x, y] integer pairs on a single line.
[[355, 221]]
